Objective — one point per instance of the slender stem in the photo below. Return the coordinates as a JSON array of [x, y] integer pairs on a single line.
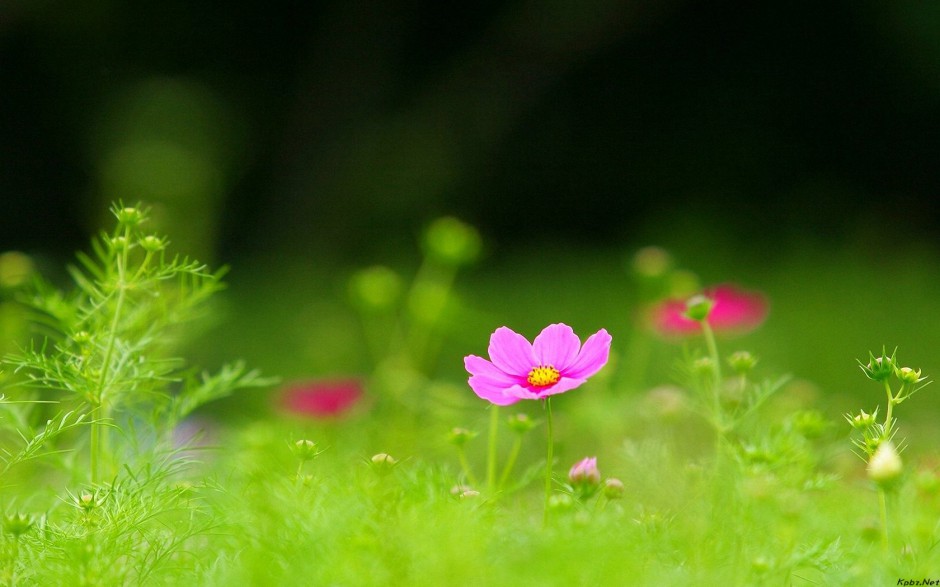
[[511, 461], [888, 423], [883, 506], [716, 366], [300, 472], [98, 440], [548, 459], [491, 454], [465, 465]]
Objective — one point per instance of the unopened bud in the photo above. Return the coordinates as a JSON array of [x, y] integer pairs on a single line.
[[129, 216], [742, 362], [613, 488], [908, 375], [885, 465], [383, 463], [862, 420], [585, 478], [878, 368], [17, 524], [460, 436], [305, 449], [152, 243], [699, 307]]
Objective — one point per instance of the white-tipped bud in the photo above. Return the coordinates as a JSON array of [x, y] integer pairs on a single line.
[[885, 465]]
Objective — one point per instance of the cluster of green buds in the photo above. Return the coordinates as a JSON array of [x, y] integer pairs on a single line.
[[877, 438]]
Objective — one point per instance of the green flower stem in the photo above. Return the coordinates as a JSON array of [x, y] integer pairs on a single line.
[[716, 366], [883, 506], [548, 459], [98, 442], [491, 454], [511, 461], [465, 466], [891, 401]]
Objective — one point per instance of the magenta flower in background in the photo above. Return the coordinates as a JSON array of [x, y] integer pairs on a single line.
[[734, 310], [322, 399], [554, 363]]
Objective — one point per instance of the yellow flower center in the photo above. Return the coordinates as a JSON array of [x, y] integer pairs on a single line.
[[543, 375]]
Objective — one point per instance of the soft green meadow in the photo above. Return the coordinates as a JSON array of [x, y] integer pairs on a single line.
[[715, 443]]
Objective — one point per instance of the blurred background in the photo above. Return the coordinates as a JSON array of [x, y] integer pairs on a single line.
[[790, 147]]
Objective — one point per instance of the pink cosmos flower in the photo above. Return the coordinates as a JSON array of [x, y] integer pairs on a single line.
[[734, 310], [321, 399], [554, 363]]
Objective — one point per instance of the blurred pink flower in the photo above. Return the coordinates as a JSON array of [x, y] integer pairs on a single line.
[[321, 399], [554, 363], [734, 310]]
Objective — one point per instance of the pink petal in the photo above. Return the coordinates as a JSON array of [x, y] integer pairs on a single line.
[[481, 368], [591, 358], [511, 352], [556, 345], [322, 399], [492, 392], [737, 309], [669, 319]]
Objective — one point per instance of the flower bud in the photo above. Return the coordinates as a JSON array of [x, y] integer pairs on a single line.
[[878, 368], [742, 362], [152, 243], [885, 465], [520, 423], [613, 488], [375, 289], [305, 449], [698, 307], [17, 524], [129, 216], [862, 420], [383, 463], [585, 478], [119, 242], [452, 242], [460, 436], [908, 375], [87, 501]]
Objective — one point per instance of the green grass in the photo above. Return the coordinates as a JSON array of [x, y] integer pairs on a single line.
[[779, 500]]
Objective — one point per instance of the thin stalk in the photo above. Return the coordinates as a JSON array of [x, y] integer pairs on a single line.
[[883, 506], [511, 461], [888, 422], [491, 453], [716, 367], [465, 465], [548, 459], [98, 441]]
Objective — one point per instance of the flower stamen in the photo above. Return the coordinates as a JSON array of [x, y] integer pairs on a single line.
[[543, 376]]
